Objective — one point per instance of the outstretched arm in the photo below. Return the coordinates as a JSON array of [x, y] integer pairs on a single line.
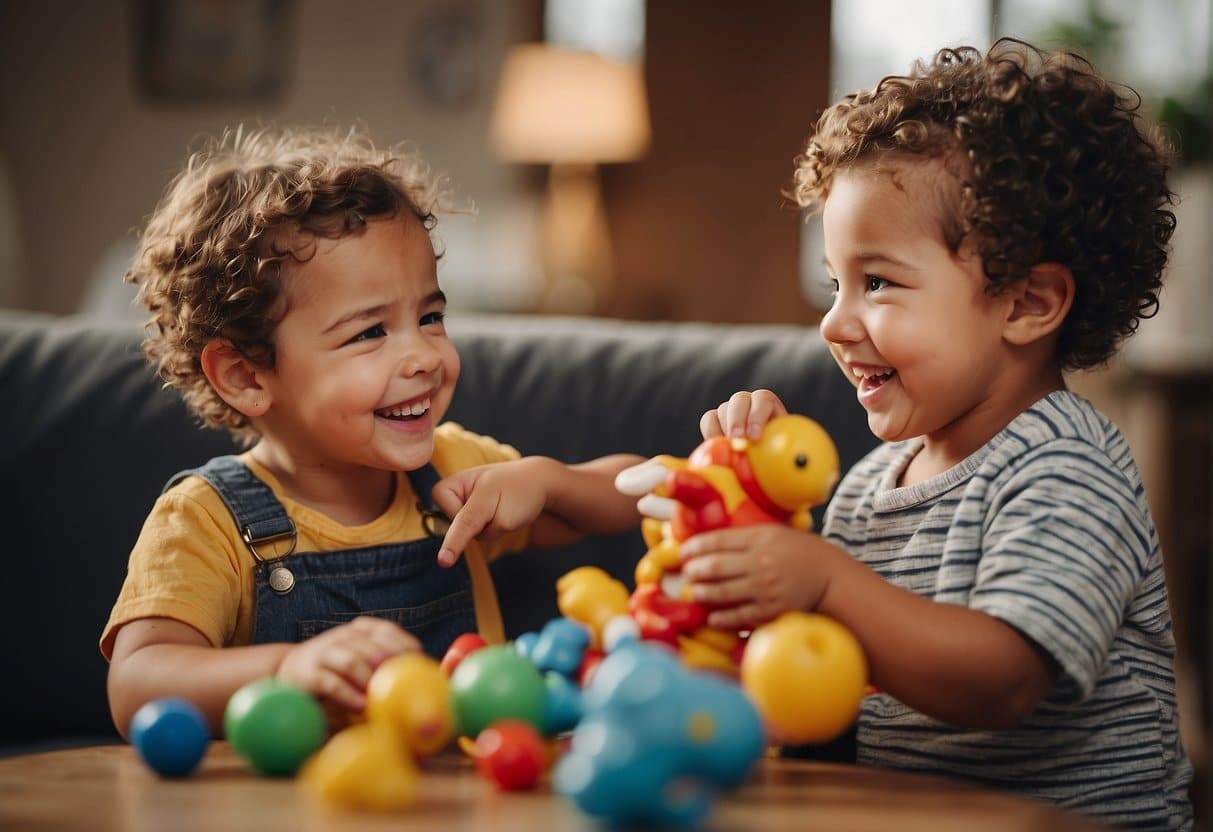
[[559, 502], [961, 666], [958, 665], [156, 657]]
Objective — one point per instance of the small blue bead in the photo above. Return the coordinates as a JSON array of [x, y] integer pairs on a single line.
[[170, 735]]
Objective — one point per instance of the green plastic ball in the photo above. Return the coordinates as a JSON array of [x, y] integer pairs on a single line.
[[494, 683], [274, 726]]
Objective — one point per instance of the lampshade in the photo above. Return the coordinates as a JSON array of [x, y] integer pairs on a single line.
[[561, 106]]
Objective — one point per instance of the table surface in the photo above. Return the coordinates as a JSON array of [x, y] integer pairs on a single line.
[[108, 787]]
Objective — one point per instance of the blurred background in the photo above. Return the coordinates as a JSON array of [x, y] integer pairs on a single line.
[[625, 158]]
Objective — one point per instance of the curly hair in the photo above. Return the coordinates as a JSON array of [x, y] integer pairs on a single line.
[[210, 259], [1055, 165]]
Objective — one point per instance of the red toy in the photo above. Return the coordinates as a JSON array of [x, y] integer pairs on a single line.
[[459, 649], [777, 478], [511, 753]]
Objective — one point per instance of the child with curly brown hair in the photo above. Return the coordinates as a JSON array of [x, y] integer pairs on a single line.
[[990, 221], [294, 299]]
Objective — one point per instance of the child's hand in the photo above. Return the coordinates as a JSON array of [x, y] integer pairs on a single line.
[[336, 665], [744, 414], [487, 502], [755, 573]]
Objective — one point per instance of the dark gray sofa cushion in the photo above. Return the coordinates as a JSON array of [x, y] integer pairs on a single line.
[[83, 415]]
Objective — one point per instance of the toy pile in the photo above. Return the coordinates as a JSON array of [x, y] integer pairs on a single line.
[[638, 710]]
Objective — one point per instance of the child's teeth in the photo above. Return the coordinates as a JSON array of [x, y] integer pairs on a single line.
[[415, 409]]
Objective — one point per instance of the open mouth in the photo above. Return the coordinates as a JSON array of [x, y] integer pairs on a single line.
[[872, 378], [405, 411]]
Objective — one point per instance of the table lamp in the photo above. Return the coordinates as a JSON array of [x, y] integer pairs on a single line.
[[571, 110]]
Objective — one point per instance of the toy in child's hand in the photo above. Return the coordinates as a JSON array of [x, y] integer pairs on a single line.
[[274, 725], [777, 478], [170, 735]]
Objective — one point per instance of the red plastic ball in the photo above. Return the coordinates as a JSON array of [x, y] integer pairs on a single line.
[[511, 754], [459, 650]]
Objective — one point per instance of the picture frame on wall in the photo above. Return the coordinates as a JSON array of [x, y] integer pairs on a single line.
[[199, 51]]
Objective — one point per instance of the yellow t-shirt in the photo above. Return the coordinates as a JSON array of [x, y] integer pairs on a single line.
[[190, 563]]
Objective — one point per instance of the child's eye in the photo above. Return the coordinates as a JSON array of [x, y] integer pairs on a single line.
[[875, 284], [376, 331], [832, 287], [433, 318]]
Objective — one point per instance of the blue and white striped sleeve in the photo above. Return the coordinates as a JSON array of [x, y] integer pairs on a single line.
[[1063, 552]]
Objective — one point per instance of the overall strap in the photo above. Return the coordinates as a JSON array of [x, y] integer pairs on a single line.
[[259, 515], [423, 480]]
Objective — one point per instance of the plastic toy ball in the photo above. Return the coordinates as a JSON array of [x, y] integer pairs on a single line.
[[807, 675], [170, 735], [511, 754], [494, 683], [459, 649], [363, 767], [273, 725], [410, 693]]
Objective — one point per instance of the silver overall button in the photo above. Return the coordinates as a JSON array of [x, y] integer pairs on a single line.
[[282, 580]]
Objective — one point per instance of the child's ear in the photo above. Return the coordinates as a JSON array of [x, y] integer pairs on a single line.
[[234, 378], [1039, 303]]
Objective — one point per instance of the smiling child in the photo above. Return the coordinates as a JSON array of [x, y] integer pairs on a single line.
[[990, 221], [294, 298]]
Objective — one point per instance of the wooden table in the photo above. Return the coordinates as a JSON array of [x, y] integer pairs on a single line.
[[108, 787]]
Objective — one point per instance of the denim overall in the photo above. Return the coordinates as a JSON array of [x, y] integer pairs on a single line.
[[300, 595]]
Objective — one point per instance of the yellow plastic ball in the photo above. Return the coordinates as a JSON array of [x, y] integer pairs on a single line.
[[807, 675]]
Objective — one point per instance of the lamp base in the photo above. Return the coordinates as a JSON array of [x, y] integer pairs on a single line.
[[575, 244]]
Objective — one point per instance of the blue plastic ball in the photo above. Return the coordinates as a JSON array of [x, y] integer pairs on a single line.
[[170, 735]]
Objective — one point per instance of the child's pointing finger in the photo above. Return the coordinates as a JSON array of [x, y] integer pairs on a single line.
[[467, 523]]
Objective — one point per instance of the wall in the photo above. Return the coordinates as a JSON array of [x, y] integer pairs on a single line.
[[700, 228], [87, 158]]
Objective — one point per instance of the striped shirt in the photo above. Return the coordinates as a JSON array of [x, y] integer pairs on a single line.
[[1046, 527]]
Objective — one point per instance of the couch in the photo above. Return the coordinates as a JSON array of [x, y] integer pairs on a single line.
[[90, 436]]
